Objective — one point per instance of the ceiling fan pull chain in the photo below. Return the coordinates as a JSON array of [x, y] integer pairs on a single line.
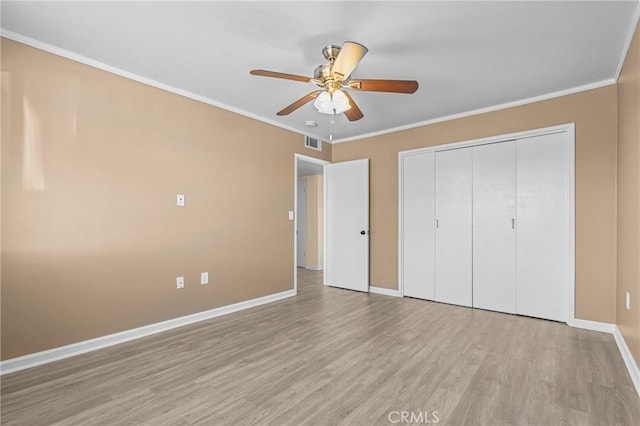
[[331, 123]]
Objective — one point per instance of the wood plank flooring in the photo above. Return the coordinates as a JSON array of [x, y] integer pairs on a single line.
[[331, 356]]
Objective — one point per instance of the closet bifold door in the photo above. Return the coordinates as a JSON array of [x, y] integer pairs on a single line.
[[494, 223], [543, 226], [453, 266], [418, 225]]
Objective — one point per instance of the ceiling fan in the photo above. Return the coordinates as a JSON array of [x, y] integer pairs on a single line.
[[334, 81]]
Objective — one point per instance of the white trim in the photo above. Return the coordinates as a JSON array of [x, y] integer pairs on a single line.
[[384, 291], [150, 82], [604, 327], [144, 80], [627, 44], [325, 190], [308, 159], [314, 267], [299, 181], [571, 134], [568, 128], [627, 357], [571, 91], [492, 139], [62, 352], [401, 155]]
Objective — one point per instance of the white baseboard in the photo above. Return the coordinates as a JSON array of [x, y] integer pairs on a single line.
[[385, 291], [629, 361], [604, 327], [314, 267], [55, 354]]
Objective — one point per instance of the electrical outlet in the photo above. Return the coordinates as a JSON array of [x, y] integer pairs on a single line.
[[290, 214], [180, 282], [204, 278], [180, 200], [627, 301]]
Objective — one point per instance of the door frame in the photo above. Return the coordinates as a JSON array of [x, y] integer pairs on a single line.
[[569, 128], [296, 158]]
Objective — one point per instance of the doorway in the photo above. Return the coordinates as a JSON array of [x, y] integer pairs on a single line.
[[308, 216]]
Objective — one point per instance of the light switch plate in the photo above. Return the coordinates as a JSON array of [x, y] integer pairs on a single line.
[[627, 301], [180, 282], [290, 214], [180, 200], [204, 278]]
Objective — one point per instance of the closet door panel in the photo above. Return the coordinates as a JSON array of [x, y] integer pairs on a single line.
[[494, 234], [418, 225], [453, 266], [543, 233]]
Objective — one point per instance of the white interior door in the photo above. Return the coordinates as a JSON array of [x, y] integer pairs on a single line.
[[543, 221], [301, 222], [347, 225], [453, 250], [418, 225], [494, 234]]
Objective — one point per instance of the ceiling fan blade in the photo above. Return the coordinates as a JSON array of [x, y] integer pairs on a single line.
[[300, 102], [392, 86], [274, 74], [349, 57], [353, 113]]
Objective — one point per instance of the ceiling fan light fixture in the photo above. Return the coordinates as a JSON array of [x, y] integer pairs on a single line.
[[340, 102], [323, 103], [335, 103]]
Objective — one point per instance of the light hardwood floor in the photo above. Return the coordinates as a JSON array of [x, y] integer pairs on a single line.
[[331, 356]]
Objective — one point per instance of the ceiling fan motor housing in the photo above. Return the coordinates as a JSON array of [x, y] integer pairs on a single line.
[[330, 52], [322, 72]]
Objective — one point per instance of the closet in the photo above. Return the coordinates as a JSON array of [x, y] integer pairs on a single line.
[[488, 224]]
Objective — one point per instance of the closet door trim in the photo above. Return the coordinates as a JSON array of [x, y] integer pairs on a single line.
[[569, 129]]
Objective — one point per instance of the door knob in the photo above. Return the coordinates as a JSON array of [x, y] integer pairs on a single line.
[[362, 232]]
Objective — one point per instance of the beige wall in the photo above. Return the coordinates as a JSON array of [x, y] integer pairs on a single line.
[[91, 238], [315, 203], [629, 198], [594, 113]]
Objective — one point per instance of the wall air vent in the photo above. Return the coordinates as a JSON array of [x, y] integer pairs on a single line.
[[313, 143]]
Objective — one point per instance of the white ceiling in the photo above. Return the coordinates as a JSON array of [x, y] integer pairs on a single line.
[[465, 55]]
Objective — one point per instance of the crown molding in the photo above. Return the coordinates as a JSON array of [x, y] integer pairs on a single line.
[[526, 101], [150, 82], [140, 79], [627, 45]]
